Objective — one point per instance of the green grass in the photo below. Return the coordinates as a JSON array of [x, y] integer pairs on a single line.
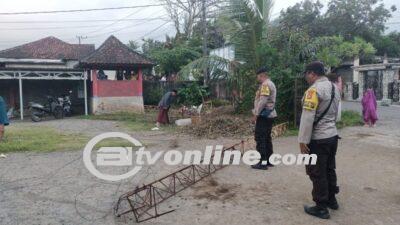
[[292, 131], [349, 119], [132, 121], [42, 139], [39, 139]]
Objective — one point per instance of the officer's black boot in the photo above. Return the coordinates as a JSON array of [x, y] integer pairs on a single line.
[[259, 166], [317, 211], [333, 204]]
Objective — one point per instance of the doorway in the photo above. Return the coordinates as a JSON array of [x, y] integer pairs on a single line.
[[373, 79]]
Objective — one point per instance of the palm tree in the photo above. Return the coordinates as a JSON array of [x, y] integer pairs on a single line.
[[245, 25]]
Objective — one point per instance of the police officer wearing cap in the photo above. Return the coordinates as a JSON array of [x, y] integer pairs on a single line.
[[264, 114], [318, 135]]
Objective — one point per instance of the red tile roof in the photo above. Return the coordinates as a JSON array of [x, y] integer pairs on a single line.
[[114, 54], [48, 48]]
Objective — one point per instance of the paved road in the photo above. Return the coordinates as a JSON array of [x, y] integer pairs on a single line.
[[389, 117], [55, 188]]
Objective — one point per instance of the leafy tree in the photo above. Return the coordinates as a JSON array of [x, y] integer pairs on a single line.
[[334, 50], [133, 45], [352, 18], [388, 44], [346, 18], [171, 60], [215, 37], [305, 16], [244, 24], [194, 94], [150, 45]]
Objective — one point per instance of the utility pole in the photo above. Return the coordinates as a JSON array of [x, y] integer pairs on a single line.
[[81, 38], [204, 19]]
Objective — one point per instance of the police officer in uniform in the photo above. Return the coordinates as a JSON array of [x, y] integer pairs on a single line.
[[318, 135], [264, 114]]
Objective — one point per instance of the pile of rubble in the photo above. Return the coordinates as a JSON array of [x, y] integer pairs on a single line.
[[221, 122]]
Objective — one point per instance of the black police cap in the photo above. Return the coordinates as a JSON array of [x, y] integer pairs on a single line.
[[316, 67], [262, 70]]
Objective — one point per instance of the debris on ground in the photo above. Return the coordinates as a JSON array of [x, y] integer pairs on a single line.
[[174, 143], [221, 122], [2, 156], [183, 122]]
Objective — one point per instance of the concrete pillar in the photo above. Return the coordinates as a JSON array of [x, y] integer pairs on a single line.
[[348, 91], [388, 77], [360, 86], [85, 93], [385, 84], [21, 98], [95, 83], [140, 79], [356, 63]]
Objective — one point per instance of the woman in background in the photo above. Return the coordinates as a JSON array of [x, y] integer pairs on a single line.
[[164, 106], [3, 117], [369, 108]]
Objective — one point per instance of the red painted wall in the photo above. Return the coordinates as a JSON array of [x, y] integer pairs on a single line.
[[117, 88]]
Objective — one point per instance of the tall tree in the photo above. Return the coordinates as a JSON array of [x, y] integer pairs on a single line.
[[149, 45], [352, 18], [388, 44], [243, 25], [185, 14], [333, 50], [305, 16]]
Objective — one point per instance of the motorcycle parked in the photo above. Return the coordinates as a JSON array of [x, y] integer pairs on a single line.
[[65, 102], [52, 107]]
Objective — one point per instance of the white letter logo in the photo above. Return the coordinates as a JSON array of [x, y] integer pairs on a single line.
[[114, 156], [111, 156]]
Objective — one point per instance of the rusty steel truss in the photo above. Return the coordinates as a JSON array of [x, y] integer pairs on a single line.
[[144, 201]]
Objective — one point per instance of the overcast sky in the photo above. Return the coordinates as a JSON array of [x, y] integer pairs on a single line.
[[145, 20]]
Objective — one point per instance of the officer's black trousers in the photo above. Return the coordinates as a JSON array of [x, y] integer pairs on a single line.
[[263, 137], [323, 174]]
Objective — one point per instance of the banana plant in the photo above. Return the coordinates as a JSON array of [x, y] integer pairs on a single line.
[[245, 26]]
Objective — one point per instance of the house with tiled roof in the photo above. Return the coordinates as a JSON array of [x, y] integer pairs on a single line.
[[102, 80], [113, 54]]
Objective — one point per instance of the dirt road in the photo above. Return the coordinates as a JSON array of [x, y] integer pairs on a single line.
[[55, 188]]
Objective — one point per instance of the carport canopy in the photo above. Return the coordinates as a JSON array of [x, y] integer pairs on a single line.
[[21, 75]]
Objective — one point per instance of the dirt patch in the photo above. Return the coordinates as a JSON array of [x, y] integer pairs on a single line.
[[173, 143], [362, 135], [210, 189]]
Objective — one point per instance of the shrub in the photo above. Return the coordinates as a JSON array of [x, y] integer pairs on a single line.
[[194, 94]]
